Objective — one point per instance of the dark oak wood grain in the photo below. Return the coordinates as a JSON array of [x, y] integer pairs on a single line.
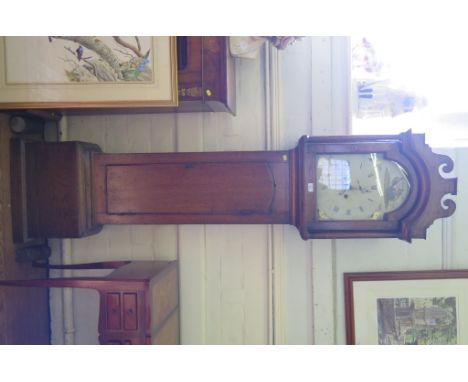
[[207, 188], [59, 197], [192, 187]]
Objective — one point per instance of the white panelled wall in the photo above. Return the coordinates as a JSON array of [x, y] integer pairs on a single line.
[[251, 284]]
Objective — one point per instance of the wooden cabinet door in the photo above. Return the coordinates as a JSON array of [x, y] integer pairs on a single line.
[[178, 188]]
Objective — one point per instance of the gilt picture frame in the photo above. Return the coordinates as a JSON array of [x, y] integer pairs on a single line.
[[72, 72], [403, 308]]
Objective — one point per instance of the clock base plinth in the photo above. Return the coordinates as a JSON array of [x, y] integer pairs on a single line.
[[57, 201]]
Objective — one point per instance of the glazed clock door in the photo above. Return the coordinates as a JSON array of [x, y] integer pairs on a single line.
[[359, 186], [357, 190]]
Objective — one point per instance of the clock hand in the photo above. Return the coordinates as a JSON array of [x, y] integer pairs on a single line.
[[359, 186], [362, 189], [386, 187]]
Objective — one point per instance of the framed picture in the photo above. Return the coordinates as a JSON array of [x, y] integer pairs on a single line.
[[87, 72], [422, 307]]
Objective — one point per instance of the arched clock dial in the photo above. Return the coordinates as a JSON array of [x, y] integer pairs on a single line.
[[359, 186]]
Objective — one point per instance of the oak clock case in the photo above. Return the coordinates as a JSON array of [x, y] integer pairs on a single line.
[[328, 187]]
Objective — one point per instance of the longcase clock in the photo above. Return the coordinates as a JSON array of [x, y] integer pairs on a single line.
[[328, 187]]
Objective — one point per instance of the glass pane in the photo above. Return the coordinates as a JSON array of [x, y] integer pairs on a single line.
[[335, 173], [359, 186]]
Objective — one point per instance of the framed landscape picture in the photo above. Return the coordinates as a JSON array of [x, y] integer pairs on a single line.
[[406, 308], [87, 72]]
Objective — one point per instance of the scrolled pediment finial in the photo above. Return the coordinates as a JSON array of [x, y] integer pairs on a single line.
[[437, 188]]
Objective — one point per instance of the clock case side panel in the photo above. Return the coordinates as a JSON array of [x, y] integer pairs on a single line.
[[393, 148]]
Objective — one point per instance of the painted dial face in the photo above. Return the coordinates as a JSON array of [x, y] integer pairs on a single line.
[[359, 186]]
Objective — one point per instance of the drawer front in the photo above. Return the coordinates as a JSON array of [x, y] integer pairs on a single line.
[[113, 309], [122, 311], [122, 318], [130, 311]]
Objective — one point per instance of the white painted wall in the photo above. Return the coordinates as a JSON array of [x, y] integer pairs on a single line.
[[254, 284], [223, 269]]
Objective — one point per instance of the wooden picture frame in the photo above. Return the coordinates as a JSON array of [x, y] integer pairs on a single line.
[[72, 72], [411, 307]]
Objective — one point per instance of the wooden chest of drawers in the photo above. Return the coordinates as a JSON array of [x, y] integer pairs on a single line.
[[139, 300], [144, 310]]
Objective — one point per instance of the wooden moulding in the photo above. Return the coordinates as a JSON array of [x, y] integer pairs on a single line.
[[433, 169]]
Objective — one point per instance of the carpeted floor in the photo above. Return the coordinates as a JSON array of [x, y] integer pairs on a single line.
[[24, 312]]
